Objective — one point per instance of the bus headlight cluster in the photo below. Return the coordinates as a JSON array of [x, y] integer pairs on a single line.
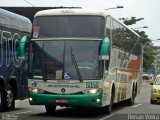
[[154, 91], [35, 90], [93, 91], [30, 99]]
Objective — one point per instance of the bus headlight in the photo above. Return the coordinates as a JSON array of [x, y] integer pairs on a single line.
[[154, 91], [93, 91], [35, 90], [30, 99]]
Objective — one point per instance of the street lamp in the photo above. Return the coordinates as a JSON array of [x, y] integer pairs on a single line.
[[156, 40], [115, 7], [140, 27], [29, 3], [142, 45]]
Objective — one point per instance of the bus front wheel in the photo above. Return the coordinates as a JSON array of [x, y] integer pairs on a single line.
[[10, 98], [108, 109], [50, 109], [7, 99], [151, 101]]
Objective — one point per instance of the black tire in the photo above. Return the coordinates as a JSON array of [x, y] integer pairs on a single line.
[[50, 109], [9, 101], [2, 98], [108, 109], [151, 101], [131, 100]]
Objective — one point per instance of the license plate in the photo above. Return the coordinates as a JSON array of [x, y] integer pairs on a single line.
[[61, 101]]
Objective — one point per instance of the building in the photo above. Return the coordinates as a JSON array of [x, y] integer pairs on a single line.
[[157, 59], [29, 12], [157, 48]]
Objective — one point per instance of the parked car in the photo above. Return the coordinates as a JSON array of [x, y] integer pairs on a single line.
[[146, 77], [155, 91]]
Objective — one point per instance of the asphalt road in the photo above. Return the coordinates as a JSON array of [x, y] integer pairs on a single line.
[[142, 109]]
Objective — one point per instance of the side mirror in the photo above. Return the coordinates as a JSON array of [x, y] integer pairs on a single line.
[[151, 83], [105, 49], [21, 47]]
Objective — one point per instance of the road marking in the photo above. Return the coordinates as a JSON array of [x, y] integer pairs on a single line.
[[137, 105], [23, 112], [107, 117]]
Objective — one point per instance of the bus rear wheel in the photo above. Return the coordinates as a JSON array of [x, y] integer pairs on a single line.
[[2, 94], [50, 109], [131, 100]]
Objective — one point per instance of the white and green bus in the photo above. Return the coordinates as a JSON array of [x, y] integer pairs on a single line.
[[82, 58]]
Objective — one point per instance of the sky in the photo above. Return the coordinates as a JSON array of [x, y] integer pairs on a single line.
[[147, 9]]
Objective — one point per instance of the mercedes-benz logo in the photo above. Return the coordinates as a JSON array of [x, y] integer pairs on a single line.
[[63, 90]]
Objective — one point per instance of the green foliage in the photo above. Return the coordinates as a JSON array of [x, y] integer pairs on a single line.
[[148, 51], [132, 21], [149, 57]]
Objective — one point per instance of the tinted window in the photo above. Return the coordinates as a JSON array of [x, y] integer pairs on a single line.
[[86, 55], [69, 26], [63, 59]]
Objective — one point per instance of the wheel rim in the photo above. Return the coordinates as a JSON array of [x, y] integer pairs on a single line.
[[9, 98]]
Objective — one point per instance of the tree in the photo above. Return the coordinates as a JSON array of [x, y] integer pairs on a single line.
[[149, 53], [131, 21]]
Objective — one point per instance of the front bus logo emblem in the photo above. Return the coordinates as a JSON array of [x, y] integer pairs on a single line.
[[63, 90], [34, 84]]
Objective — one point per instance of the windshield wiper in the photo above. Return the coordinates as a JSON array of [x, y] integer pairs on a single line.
[[76, 66]]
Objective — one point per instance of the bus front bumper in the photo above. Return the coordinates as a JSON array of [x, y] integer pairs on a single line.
[[78, 100]]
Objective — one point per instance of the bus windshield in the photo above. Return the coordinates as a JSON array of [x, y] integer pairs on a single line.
[[69, 26], [64, 59]]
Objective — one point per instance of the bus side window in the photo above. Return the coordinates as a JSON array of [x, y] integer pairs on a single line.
[[105, 70], [108, 27]]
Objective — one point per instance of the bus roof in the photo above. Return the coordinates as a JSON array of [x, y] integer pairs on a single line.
[[69, 11], [15, 21], [79, 11]]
